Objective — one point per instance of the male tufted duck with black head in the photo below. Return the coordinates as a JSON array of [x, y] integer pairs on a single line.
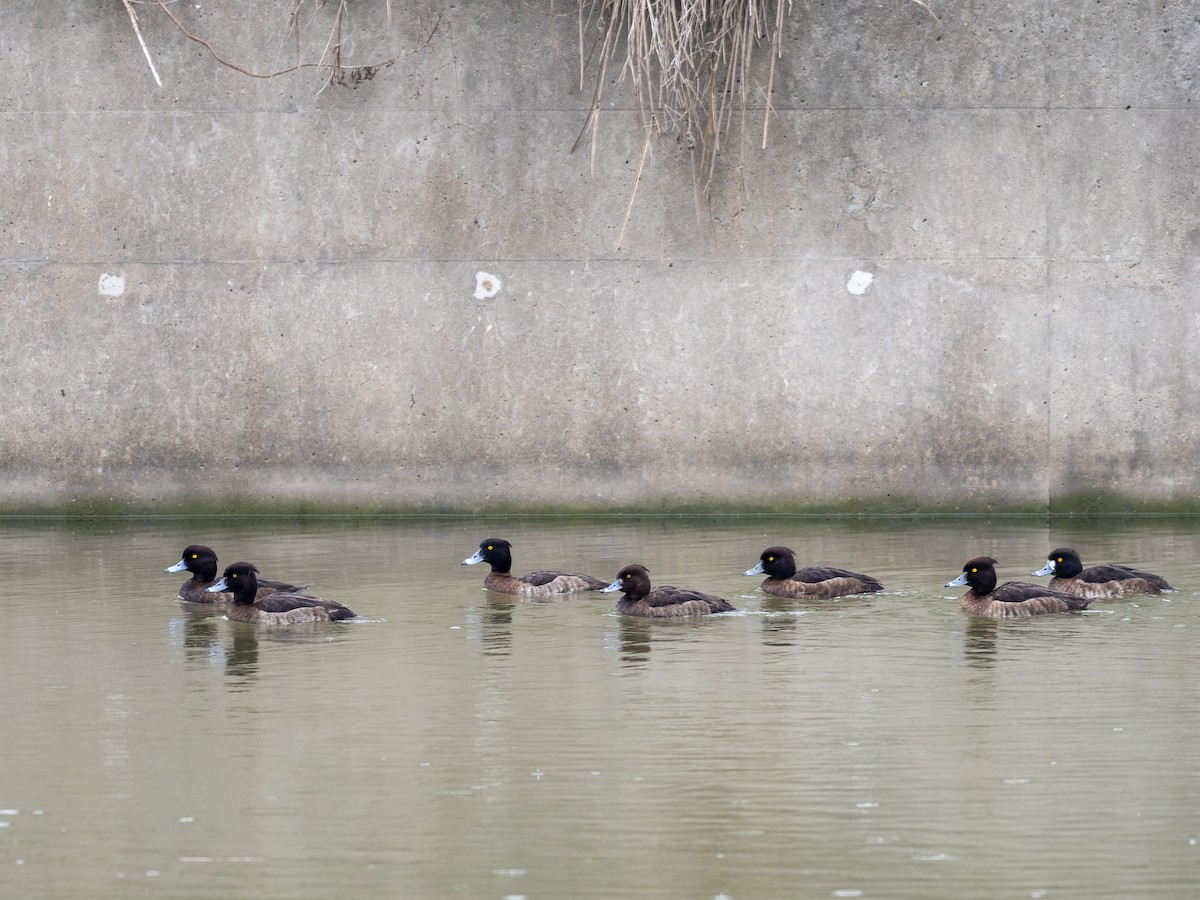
[[497, 553], [201, 561], [812, 582], [1097, 582], [279, 608], [1013, 599], [662, 602]]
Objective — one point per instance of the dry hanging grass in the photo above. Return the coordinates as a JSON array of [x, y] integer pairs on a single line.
[[339, 72], [691, 63]]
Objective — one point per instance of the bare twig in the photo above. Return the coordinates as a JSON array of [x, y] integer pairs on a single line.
[[647, 144], [928, 9], [335, 40], [339, 74], [142, 41], [776, 52], [217, 56]]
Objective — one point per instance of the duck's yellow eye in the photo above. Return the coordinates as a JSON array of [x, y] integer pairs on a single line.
[[195, 556], [234, 575], [1059, 559], [770, 559], [974, 570], [490, 547]]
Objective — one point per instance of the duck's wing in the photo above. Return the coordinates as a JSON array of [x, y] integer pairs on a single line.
[[538, 579], [669, 595], [281, 602], [1020, 591], [817, 574], [1115, 572], [820, 574]]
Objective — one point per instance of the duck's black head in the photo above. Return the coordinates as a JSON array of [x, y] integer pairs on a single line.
[[199, 560], [241, 578], [1067, 563], [979, 573], [496, 552], [776, 562], [633, 581]]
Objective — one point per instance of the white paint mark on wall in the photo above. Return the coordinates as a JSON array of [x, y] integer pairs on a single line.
[[486, 285], [860, 283], [112, 285]]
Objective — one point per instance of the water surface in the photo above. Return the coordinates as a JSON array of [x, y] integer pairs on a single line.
[[455, 743]]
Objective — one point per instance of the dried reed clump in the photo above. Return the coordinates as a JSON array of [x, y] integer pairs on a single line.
[[691, 62]]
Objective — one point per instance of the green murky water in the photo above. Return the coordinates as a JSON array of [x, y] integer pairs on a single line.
[[457, 744]]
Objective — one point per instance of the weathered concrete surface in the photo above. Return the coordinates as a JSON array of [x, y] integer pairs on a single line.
[[232, 286]]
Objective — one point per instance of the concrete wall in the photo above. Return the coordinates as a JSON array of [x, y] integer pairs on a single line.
[[231, 286]]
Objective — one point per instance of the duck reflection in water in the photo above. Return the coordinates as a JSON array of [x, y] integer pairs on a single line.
[[496, 625], [989, 643], [245, 643], [780, 621], [241, 653], [210, 640], [634, 636], [979, 641], [631, 638], [199, 631]]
